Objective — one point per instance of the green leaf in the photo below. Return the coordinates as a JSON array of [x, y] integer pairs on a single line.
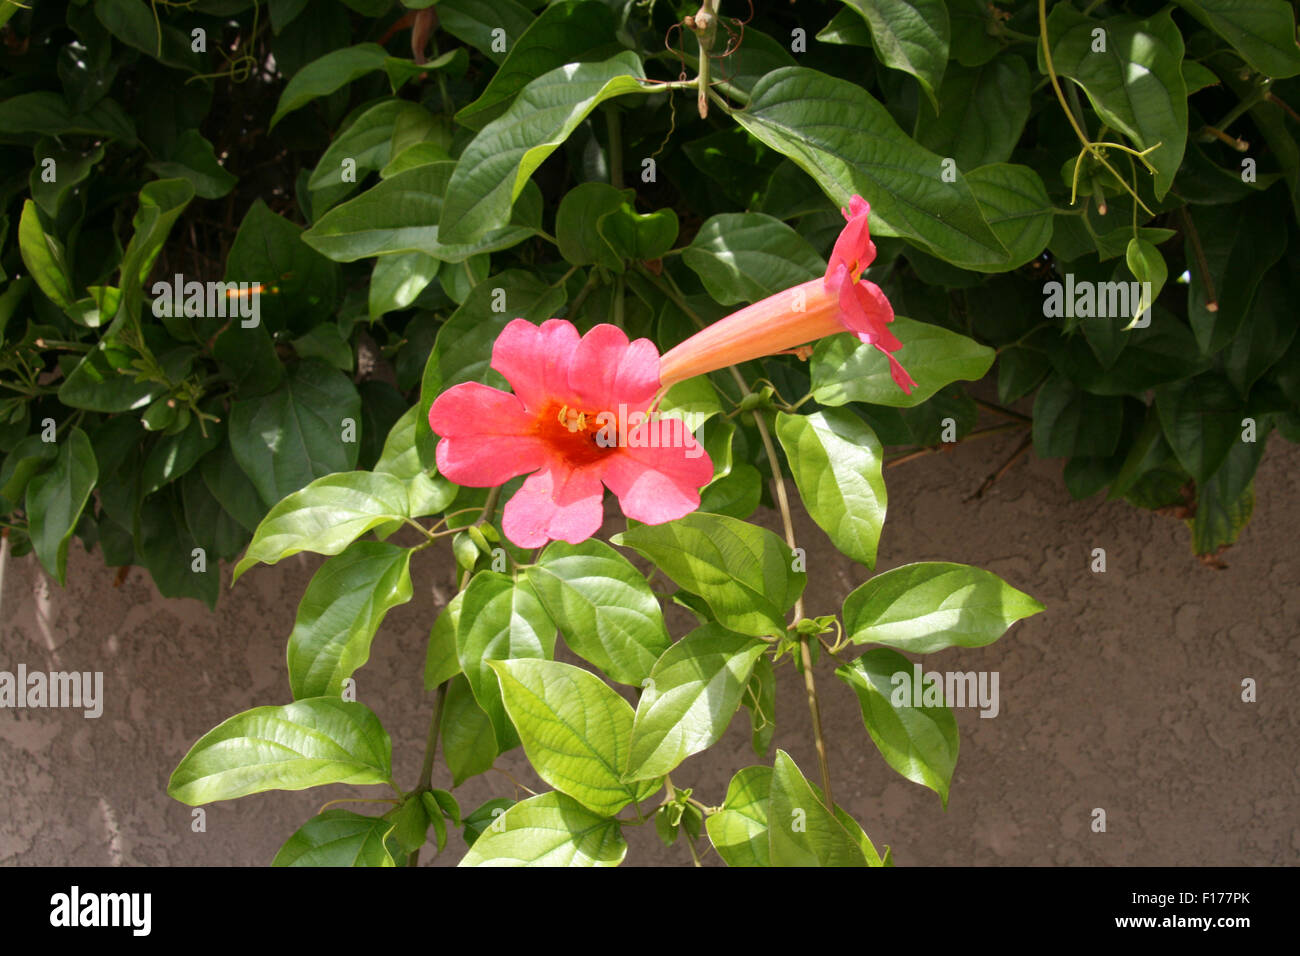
[[305, 744], [469, 744], [1135, 85], [271, 250], [1147, 265], [603, 607], [694, 401], [48, 114], [801, 831], [337, 838], [342, 608], [845, 370], [801, 114], [549, 829], [930, 605], [476, 21], [497, 163], [161, 203], [1262, 31], [1202, 419], [140, 28], [331, 72], [574, 729], [1219, 518], [427, 492], [835, 459], [70, 169], [325, 517], [562, 33], [983, 113], [501, 619], [101, 382], [1015, 203], [164, 545], [366, 143], [287, 439], [55, 499], [397, 281], [1070, 422], [744, 257], [909, 35], [192, 158], [231, 487], [441, 662], [401, 215], [577, 225], [690, 696], [920, 742], [760, 700], [44, 258], [174, 455], [744, 573], [739, 830]]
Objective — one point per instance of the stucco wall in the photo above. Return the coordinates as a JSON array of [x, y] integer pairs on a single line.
[[1124, 695]]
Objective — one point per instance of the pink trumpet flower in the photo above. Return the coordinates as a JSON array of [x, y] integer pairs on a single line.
[[840, 301], [579, 421]]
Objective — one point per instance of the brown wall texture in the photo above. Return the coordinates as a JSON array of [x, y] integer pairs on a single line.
[[1125, 694]]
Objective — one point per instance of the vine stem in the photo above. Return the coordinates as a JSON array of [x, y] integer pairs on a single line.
[[783, 504], [440, 700]]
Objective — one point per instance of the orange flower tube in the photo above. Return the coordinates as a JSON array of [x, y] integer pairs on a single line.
[[840, 301]]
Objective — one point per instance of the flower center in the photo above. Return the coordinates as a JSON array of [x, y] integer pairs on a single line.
[[576, 434]]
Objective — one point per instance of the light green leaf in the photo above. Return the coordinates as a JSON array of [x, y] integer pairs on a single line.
[[496, 164], [845, 370], [342, 608], [845, 139], [325, 517], [744, 573], [603, 607], [337, 838], [549, 829], [397, 281], [1148, 266], [501, 619], [574, 729], [744, 257], [739, 830], [55, 499], [690, 696], [801, 831], [836, 459], [440, 660], [305, 744], [930, 605], [919, 741]]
